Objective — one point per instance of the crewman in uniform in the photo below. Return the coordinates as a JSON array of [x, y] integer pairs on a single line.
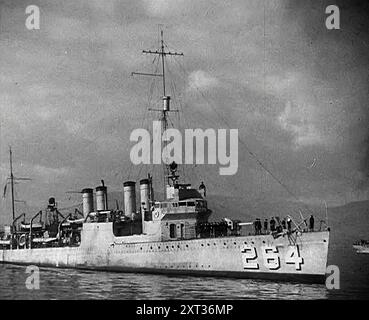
[[289, 224], [272, 224], [256, 226], [202, 187], [311, 223], [259, 226], [266, 226]]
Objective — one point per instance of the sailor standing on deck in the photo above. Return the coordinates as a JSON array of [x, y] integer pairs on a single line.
[[289, 224], [256, 226], [272, 224], [311, 223], [203, 188], [266, 226]]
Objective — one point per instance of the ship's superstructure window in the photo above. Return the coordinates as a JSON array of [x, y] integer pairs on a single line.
[[172, 230]]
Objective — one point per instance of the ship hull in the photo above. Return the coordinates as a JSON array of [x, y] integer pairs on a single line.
[[361, 249], [269, 276], [300, 258]]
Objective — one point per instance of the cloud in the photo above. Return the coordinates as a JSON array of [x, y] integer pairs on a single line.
[[201, 80], [67, 100], [283, 83], [164, 7], [73, 126], [50, 174], [298, 121], [65, 28]]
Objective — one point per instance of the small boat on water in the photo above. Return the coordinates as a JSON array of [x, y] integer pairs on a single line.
[[361, 246]]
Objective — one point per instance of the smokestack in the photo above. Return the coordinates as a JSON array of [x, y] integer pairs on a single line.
[[144, 195], [87, 201], [101, 198], [129, 189]]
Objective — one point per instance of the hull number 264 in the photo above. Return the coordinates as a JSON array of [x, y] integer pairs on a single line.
[[270, 257]]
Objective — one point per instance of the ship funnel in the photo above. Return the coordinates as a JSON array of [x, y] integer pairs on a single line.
[[129, 189], [101, 198], [87, 201], [166, 103], [144, 195]]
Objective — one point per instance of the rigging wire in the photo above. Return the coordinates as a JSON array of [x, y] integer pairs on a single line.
[[249, 151], [192, 171], [177, 103]]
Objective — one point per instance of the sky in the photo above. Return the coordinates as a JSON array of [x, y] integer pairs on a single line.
[[296, 91]]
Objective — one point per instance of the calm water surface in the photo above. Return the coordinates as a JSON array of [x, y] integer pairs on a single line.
[[74, 284]]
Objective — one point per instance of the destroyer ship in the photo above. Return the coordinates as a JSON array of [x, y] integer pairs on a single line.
[[171, 236]]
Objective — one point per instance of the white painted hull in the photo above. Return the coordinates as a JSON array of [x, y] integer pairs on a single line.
[[298, 259], [361, 249]]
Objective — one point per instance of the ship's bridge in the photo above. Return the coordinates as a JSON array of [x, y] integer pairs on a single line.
[[176, 217], [194, 205], [181, 198]]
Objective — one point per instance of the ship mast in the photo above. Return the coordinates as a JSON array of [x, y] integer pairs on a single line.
[[11, 180], [167, 168], [162, 54]]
